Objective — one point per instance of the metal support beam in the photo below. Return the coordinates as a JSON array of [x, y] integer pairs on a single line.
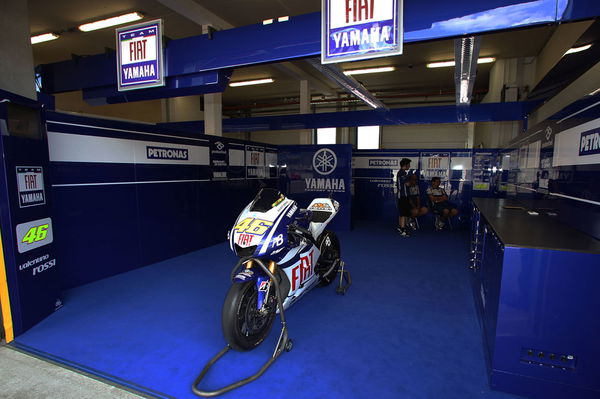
[[585, 84], [564, 38]]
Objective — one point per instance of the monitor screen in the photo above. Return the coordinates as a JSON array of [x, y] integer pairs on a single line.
[[24, 122]]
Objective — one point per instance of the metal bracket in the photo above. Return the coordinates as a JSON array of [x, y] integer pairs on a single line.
[[283, 343], [344, 277]]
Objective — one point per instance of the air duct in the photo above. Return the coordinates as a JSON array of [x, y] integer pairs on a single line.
[[348, 83]]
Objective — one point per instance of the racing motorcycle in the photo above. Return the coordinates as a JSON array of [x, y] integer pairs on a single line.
[[296, 249], [284, 252]]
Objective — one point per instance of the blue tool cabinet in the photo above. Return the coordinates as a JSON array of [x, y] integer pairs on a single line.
[[536, 284]]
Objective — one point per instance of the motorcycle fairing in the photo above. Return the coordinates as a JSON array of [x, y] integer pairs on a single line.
[[323, 210], [269, 235]]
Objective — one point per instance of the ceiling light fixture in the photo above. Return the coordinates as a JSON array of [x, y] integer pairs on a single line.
[[442, 64], [43, 38], [251, 82], [283, 19], [369, 70], [578, 49], [105, 23], [268, 21]]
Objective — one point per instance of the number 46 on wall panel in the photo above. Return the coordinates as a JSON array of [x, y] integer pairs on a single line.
[[36, 233]]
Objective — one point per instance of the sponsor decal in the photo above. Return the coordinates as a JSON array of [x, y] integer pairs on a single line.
[[245, 239], [30, 182], [264, 286], [303, 271], [167, 153], [589, 142], [291, 212], [320, 206], [384, 162], [324, 161], [244, 275], [220, 146], [34, 234], [320, 184]]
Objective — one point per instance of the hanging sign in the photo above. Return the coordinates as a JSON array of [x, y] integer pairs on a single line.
[[139, 56], [354, 30]]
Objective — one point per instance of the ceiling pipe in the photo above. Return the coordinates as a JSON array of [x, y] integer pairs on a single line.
[[348, 83], [466, 54], [295, 101]]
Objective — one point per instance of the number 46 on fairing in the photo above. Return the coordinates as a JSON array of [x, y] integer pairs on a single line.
[[253, 226]]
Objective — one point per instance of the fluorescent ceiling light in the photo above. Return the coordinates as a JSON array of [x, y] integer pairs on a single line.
[[268, 21], [283, 19], [464, 92], [578, 49], [369, 70], [105, 23], [251, 82], [442, 64], [43, 38]]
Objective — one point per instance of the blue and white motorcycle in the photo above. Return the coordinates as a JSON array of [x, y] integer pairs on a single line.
[[284, 252]]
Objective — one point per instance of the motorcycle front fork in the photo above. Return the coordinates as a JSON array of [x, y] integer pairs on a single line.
[[263, 286]]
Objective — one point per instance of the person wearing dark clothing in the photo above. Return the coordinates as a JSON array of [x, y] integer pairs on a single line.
[[414, 195], [403, 201], [440, 204]]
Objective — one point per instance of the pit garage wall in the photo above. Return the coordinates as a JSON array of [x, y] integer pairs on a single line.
[[127, 195], [548, 169], [464, 174]]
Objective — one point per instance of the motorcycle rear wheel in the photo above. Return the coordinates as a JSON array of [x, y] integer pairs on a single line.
[[329, 245], [244, 327]]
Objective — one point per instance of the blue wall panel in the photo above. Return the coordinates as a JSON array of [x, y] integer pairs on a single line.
[[120, 207], [97, 232]]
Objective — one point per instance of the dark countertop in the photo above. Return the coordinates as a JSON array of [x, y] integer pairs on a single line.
[[516, 228]]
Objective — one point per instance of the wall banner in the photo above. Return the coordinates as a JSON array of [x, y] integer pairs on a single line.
[[140, 56]]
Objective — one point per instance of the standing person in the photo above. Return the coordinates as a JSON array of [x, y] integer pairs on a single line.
[[440, 204], [404, 207]]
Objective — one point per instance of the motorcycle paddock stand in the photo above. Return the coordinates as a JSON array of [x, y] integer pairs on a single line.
[[345, 279], [284, 343]]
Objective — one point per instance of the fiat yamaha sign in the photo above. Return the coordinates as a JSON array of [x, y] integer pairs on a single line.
[[139, 56], [360, 29]]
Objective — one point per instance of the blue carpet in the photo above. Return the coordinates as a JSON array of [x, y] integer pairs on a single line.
[[407, 328]]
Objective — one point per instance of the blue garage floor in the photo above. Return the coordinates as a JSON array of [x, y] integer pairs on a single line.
[[406, 329]]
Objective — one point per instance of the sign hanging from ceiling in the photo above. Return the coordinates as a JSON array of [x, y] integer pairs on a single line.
[[140, 56], [355, 30]]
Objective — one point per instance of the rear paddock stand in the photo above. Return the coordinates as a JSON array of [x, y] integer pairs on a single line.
[[284, 343], [345, 279]]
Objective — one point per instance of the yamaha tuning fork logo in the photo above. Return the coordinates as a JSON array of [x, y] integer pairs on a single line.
[[324, 161]]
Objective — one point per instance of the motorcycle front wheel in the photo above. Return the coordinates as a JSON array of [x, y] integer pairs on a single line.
[[244, 326]]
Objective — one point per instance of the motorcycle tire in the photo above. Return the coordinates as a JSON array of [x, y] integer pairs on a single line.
[[329, 245], [243, 326]]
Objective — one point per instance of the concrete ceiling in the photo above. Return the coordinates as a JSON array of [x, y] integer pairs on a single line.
[[410, 75]]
